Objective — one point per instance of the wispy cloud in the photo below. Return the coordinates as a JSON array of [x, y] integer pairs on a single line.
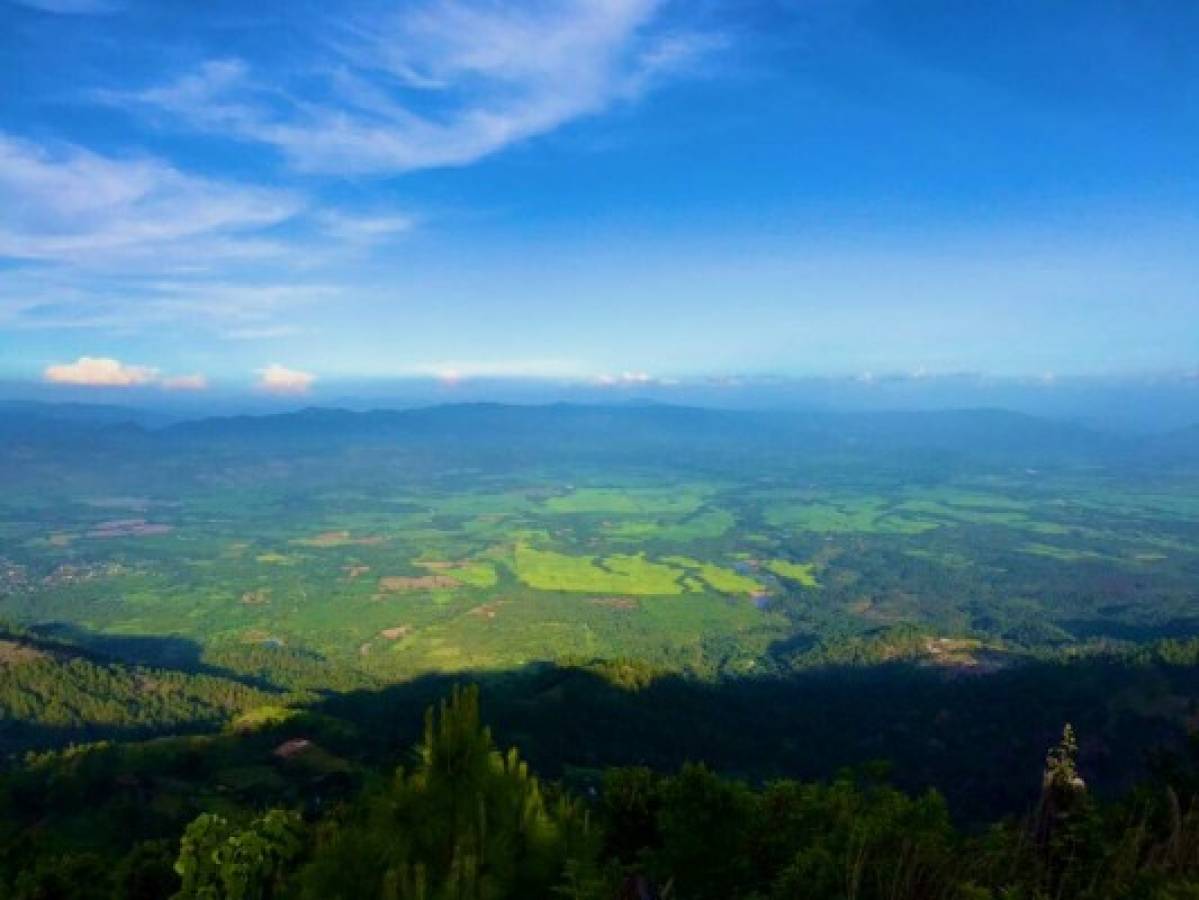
[[125, 242], [74, 205], [262, 332], [277, 379], [455, 371], [232, 309], [630, 379], [40, 298], [438, 83], [134, 243], [364, 229], [100, 371]]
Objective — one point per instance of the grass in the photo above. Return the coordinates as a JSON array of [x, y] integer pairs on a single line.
[[262, 717], [548, 570], [704, 525], [801, 573], [628, 501], [726, 581], [975, 515], [911, 512], [342, 538], [476, 574], [1063, 554], [862, 514]]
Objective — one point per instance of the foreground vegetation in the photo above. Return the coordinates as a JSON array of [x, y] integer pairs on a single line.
[[465, 820]]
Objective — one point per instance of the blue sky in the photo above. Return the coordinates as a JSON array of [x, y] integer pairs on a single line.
[[289, 196]]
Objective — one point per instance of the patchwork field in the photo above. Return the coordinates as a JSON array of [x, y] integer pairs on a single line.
[[396, 564]]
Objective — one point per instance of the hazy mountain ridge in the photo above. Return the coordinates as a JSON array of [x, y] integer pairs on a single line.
[[984, 432]]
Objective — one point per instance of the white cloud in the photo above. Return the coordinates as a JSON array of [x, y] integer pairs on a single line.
[[454, 371], [626, 379], [364, 229], [234, 310], [439, 83], [76, 206], [196, 382], [278, 379], [103, 371], [99, 371]]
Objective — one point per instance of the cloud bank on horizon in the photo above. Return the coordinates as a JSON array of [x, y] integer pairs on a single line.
[[277, 379], [615, 192], [99, 372], [104, 372]]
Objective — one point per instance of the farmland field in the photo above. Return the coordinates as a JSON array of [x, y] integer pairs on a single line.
[[376, 557]]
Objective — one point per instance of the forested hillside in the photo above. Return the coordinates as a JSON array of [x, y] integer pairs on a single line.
[[465, 818], [53, 694]]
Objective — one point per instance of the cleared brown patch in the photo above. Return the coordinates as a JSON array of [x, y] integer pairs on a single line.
[[13, 653], [338, 539], [398, 583], [72, 574], [394, 634], [353, 571], [487, 610], [257, 597], [624, 603], [293, 748], [147, 685], [60, 539], [116, 528], [963, 656]]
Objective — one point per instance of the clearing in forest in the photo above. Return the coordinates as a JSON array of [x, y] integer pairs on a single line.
[[726, 581], [633, 501], [392, 584], [468, 572], [547, 570], [338, 539], [801, 573]]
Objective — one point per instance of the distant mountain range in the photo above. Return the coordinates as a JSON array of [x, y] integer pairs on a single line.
[[84, 413], [979, 432]]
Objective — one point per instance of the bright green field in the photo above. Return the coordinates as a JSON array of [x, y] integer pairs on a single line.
[[547, 570], [801, 573]]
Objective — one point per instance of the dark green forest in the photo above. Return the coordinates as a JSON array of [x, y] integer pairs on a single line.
[[462, 817]]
